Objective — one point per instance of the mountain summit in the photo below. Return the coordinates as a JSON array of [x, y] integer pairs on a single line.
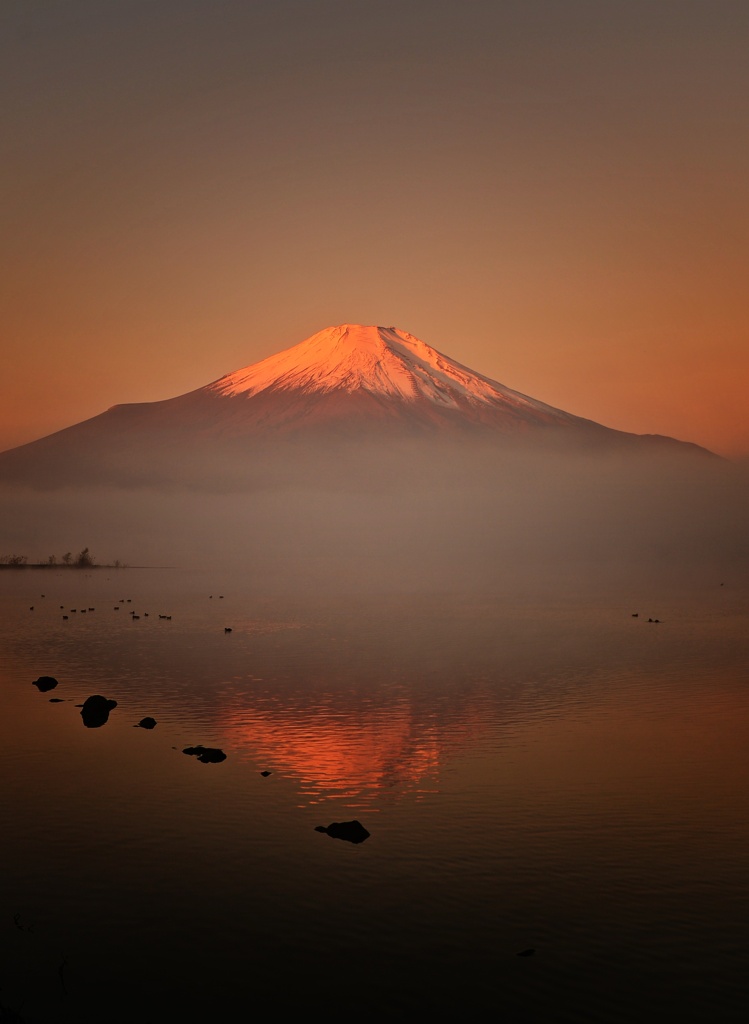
[[380, 360], [379, 373], [320, 402]]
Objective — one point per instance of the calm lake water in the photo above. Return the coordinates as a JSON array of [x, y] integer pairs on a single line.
[[538, 771]]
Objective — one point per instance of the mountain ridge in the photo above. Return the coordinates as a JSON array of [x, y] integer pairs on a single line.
[[382, 361], [345, 385]]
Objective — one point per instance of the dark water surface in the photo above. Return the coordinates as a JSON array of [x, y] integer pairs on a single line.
[[537, 771]]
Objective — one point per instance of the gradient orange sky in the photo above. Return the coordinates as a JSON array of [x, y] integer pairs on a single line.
[[553, 193]]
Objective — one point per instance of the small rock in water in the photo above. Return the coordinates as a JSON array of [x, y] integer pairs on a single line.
[[227, 629], [146, 723], [208, 755], [266, 774], [56, 700], [45, 683], [95, 711], [350, 831], [526, 952]]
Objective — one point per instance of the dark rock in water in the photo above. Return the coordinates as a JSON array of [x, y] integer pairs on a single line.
[[45, 683], [95, 711], [56, 700], [266, 774], [351, 831], [526, 952], [208, 755], [146, 723]]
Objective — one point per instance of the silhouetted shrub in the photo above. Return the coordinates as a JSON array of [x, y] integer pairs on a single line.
[[84, 559]]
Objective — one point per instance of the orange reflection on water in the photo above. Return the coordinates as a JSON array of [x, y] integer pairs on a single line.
[[351, 753], [339, 752]]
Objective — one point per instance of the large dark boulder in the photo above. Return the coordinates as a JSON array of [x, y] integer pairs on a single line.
[[208, 755], [45, 683], [351, 831], [95, 711]]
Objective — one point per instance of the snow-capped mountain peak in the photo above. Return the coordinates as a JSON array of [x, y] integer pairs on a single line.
[[380, 360], [349, 393]]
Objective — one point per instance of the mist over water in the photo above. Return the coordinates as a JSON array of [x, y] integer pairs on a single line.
[[420, 518], [440, 644]]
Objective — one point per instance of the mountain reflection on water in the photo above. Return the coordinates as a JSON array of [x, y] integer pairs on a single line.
[[338, 746], [536, 769]]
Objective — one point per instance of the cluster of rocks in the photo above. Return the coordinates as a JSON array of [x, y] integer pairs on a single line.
[[95, 712]]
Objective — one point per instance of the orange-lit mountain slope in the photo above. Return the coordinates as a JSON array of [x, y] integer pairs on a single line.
[[346, 384]]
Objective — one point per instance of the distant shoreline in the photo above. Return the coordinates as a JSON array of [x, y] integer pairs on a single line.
[[78, 568], [61, 565]]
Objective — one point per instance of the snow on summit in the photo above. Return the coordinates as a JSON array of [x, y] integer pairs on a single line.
[[379, 360]]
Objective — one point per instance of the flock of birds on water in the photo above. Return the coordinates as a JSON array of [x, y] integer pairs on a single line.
[[95, 712]]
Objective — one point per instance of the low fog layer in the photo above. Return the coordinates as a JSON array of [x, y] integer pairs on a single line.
[[416, 517]]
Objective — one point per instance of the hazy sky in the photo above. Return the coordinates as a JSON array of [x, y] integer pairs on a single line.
[[553, 192]]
